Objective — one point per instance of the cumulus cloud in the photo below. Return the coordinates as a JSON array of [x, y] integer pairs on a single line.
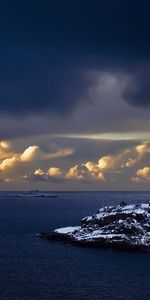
[[16, 158], [142, 174], [36, 165], [106, 169], [4, 144], [30, 153], [39, 172], [137, 153], [34, 152], [55, 172], [9, 163], [10, 159], [95, 171], [78, 172], [145, 173], [107, 162]]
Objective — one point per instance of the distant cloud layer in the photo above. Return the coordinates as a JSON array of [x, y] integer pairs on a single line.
[[65, 167], [127, 164]]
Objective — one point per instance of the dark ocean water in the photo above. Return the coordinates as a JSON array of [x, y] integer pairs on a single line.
[[31, 268]]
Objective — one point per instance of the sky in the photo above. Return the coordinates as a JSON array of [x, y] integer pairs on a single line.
[[75, 95]]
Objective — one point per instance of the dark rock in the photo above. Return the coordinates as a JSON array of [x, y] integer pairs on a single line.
[[123, 203], [122, 227]]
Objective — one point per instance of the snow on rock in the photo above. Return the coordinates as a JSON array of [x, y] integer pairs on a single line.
[[123, 227], [67, 230]]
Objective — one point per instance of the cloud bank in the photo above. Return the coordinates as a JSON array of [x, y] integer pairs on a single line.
[[107, 169]]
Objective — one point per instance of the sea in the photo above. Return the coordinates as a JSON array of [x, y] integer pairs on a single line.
[[36, 269]]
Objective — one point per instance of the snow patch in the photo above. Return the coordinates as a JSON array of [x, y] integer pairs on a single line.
[[67, 230]]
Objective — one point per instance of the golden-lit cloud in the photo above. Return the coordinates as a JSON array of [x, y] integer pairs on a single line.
[[5, 150], [36, 165], [30, 153], [88, 171], [10, 159], [39, 172], [14, 159], [106, 162], [8, 163], [4, 144], [55, 172], [110, 164], [95, 171], [141, 149], [77, 172], [107, 168], [143, 173], [137, 153]]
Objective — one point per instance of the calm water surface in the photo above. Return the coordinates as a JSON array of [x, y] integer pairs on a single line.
[[31, 268]]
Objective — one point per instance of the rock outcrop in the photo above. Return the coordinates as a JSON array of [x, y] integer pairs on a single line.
[[122, 227]]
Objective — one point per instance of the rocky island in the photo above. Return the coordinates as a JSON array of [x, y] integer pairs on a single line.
[[122, 227]]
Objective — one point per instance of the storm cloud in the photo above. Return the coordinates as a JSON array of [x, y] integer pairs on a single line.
[[48, 49]]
